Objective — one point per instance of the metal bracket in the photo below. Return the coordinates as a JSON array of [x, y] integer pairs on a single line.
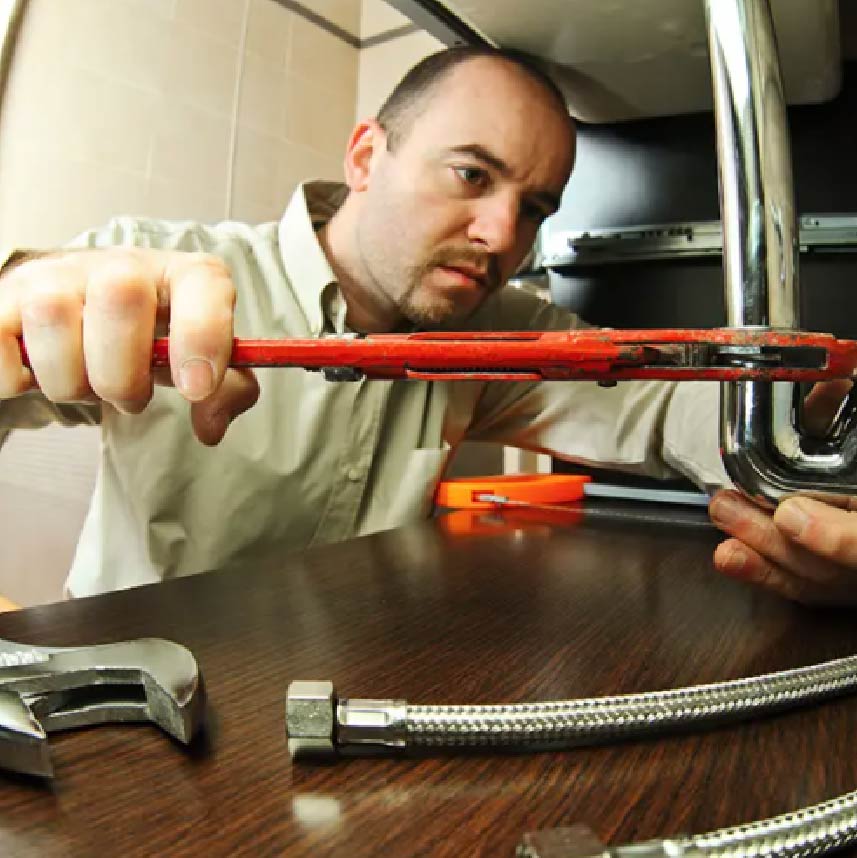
[[688, 240]]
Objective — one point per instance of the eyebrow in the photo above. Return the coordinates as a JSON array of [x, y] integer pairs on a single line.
[[486, 156]]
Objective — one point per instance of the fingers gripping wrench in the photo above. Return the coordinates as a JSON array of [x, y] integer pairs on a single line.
[[45, 689]]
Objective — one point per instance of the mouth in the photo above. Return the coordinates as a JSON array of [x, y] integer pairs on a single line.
[[466, 275]]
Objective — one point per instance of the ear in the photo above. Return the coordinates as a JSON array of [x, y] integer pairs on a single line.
[[367, 144]]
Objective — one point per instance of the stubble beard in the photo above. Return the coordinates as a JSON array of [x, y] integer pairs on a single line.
[[425, 308], [415, 303], [403, 287], [422, 308]]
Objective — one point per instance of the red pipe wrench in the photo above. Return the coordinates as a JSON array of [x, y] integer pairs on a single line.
[[719, 354]]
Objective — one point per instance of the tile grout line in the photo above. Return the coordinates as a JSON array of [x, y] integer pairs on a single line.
[[343, 34]]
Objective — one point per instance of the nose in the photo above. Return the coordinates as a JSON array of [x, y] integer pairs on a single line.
[[494, 224]]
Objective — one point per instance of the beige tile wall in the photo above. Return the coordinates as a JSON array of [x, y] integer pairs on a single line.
[[135, 106], [383, 65], [297, 107]]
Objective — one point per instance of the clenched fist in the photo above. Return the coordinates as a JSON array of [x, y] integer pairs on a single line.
[[87, 320]]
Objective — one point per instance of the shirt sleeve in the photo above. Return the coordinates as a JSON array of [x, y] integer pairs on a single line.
[[9, 256], [656, 428]]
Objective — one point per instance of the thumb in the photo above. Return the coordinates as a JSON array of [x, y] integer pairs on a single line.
[[211, 417]]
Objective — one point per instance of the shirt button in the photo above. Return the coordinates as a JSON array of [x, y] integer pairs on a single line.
[[354, 474]]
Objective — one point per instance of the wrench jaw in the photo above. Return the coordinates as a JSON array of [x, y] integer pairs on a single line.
[[179, 711], [23, 741], [45, 690], [171, 685]]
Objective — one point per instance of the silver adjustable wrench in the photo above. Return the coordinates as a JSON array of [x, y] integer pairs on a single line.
[[44, 689]]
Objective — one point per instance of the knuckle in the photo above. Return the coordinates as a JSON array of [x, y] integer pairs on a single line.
[[11, 282], [207, 329], [792, 588], [200, 338], [47, 294], [215, 269], [773, 578], [210, 261], [840, 543], [121, 286], [830, 537], [763, 535], [219, 316], [60, 272], [48, 305]]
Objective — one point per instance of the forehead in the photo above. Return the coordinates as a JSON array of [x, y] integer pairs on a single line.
[[497, 105]]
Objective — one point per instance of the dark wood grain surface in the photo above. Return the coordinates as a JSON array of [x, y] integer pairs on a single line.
[[525, 611]]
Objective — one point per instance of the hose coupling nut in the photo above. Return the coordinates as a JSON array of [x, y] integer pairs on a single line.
[[318, 724]]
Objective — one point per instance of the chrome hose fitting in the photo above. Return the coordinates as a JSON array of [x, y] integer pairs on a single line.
[[320, 725]]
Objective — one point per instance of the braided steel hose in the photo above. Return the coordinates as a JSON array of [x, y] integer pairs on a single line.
[[805, 833], [811, 831], [319, 723], [568, 723]]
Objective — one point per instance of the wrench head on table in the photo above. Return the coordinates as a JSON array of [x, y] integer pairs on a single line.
[[46, 689]]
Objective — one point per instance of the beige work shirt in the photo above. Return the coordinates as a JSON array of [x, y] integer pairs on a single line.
[[314, 461]]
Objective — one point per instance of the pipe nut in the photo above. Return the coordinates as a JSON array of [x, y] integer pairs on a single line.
[[311, 718]]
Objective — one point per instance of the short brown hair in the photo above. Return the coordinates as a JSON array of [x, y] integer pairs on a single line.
[[403, 105]]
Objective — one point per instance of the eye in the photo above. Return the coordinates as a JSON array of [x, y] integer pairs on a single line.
[[475, 176], [534, 213]]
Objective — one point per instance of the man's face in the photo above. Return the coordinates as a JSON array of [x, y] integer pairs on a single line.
[[450, 214]]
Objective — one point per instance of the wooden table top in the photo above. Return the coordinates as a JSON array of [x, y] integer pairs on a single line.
[[520, 611]]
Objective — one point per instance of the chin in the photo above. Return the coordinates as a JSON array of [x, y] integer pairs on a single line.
[[435, 320], [431, 308], [432, 316]]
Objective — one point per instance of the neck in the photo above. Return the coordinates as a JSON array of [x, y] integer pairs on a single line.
[[369, 310]]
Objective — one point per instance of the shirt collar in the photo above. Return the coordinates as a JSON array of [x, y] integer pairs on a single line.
[[312, 205]]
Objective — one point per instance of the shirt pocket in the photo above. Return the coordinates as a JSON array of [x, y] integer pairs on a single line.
[[413, 497]]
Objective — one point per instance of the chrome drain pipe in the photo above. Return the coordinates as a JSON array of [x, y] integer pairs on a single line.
[[763, 449]]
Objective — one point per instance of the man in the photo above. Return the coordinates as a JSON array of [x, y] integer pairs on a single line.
[[446, 190]]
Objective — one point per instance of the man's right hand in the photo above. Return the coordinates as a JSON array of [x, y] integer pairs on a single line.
[[88, 318]]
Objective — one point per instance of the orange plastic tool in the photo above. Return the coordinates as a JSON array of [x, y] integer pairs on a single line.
[[531, 490]]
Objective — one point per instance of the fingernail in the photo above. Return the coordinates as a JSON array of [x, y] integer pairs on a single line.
[[792, 518], [196, 378], [130, 406], [735, 561], [725, 511]]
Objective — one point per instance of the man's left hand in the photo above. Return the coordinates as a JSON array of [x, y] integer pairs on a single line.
[[806, 550]]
